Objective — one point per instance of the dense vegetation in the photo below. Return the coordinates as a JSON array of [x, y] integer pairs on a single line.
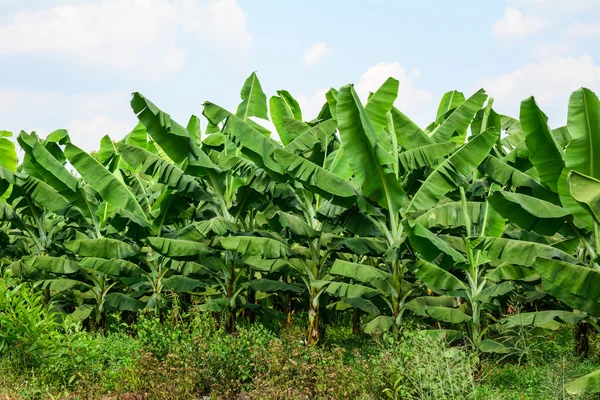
[[480, 230]]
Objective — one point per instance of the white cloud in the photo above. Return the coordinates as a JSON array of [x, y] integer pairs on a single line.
[[311, 105], [562, 6], [551, 81], [43, 112], [86, 134], [139, 36], [515, 25], [413, 101], [581, 30], [544, 50], [316, 53]]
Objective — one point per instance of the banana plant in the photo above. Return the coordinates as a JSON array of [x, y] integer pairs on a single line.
[[388, 155], [550, 199]]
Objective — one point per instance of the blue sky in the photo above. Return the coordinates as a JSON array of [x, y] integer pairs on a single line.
[[73, 64]]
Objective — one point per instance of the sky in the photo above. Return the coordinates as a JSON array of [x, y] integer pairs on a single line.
[[73, 64]]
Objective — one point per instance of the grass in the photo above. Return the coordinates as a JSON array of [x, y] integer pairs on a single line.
[[192, 358]]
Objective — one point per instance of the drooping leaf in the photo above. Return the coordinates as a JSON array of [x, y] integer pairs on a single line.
[[379, 324], [163, 171], [110, 188], [173, 138], [177, 248], [122, 302], [55, 265], [574, 285], [101, 248], [449, 315], [586, 384], [586, 191], [428, 244], [114, 267], [256, 246], [518, 252], [359, 272], [437, 279], [528, 212]]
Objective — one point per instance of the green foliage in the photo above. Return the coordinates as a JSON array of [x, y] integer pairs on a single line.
[[358, 208]]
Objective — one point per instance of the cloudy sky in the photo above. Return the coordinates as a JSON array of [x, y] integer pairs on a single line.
[[73, 64]]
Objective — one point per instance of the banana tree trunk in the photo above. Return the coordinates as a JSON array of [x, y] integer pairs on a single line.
[[356, 322], [288, 310], [230, 321], [313, 319], [582, 344]]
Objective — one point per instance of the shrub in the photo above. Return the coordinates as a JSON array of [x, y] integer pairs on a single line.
[[425, 367], [26, 325]]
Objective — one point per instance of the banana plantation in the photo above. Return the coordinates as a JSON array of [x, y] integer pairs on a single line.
[[356, 211]]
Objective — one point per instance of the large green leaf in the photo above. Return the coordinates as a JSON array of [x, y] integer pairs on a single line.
[[206, 229], [528, 212], [101, 248], [381, 102], [281, 107], [47, 161], [552, 319], [544, 153], [517, 252], [449, 315], [450, 100], [586, 191], [177, 248], [408, 134], [8, 154], [366, 159], [438, 279], [271, 286], [315, 178], [292, 223], [420, 304], [8, 161], [256, 246], [122, 302], [583, 123], [173, 138], [181, 284], [426, 155], [379, 324], [448, 175], [162, 170], [46, 197], [510, 272], [114, 267], [452, 215], [254, 100], [110, 188], [428, 245], [359, 272], [589, 383], [55, 265], [459, 120], [511, 177], [575, 285]]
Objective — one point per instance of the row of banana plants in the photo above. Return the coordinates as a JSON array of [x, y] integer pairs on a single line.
[[358, 208]]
